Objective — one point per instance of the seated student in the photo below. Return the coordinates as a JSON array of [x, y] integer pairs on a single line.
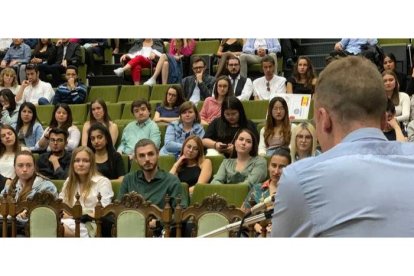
[[33, 89], [142, 127], [141, 55], [198, 87], [229, 48], [61, 118], [260, 191], [178, 131], [153, 184], [277, 130], [29, 130], [73, 91], [26, 184], [93, 46], [192, 167], [212, 105], [17, 56], [167, 112], [392, 129], [9, 147], [170, 65], [303, 79], [44, 52], [220, 133], [8, 79], [98, 113], [303, 142], [85, 180], [109, 162], [268, 86], [247, 167], [390, 63], [400, 99], [9, 110], [55, 163]]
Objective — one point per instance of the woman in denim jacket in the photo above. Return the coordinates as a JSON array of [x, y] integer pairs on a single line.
[[178, 131], [29, 130]]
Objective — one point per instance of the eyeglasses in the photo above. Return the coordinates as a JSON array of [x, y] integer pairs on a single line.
[[268, 86], [59, 140], [198, 68]]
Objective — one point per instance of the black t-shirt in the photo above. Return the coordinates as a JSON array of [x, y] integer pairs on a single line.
[[118, 167]]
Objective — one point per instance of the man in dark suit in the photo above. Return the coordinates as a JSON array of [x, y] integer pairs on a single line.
[[198, 86], [242, 87], [67, 53]]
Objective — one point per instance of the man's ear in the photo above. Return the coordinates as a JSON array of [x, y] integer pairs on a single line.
[[324, 119]]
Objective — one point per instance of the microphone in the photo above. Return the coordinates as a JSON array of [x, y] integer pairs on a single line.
[[262, 206]]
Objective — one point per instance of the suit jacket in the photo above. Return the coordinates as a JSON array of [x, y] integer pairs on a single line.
[[73, 54], [206, 87]]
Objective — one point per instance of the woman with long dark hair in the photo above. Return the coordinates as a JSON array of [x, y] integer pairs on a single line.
[[98, 113], [9, 112], [221, 132], [108, 161], [303, 78], [29, 130], [277, 130]]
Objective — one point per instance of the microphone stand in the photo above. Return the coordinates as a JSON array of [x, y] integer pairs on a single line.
[[239, 224]]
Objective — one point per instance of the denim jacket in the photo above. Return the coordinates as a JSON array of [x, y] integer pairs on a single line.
[[32, 140], [175, 137]]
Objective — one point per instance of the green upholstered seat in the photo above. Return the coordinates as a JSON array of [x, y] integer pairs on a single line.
[[233, 193], [108, 93]]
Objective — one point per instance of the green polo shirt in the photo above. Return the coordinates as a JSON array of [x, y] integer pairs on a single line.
[[163, 183]]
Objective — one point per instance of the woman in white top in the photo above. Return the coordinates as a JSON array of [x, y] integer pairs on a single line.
[[85, 180], [401, 100], [9, 146], [8, 79], [303, 142], [140, 56], [277, 130], [98, 113], [61, 118]]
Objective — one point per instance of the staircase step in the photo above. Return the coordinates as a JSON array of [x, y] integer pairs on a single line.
[[316, 48], [106, 80], [318, 40], [318, 61]]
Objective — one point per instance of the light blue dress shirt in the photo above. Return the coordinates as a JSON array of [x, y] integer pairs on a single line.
[[362, 187]]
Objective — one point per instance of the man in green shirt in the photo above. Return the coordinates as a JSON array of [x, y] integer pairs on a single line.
[[152, 183], [142, 127]]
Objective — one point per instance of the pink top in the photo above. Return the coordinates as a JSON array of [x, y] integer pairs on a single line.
[[186, 51], [211, 109]]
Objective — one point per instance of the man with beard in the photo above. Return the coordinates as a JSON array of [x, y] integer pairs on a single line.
[[151, 182], [55, 164], [242, 87]]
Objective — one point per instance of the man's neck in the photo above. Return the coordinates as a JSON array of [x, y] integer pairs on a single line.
[[58, 153], [149, 175], [269, 78], [34, 83]]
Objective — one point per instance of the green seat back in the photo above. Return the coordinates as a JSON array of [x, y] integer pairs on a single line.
[[216, 162], [163, 129], [130, 223], [256, 110], [58, 183], [206, 47], [234, 194], [386, 41], [212, 221], [116, 185], [114, 110], [43, 223], [44, 113], [108, 93], [130, 93], [158, 92], [79, 113]]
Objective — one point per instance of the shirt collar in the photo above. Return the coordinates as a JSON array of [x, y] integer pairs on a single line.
[[141, 176], [367, 133], [144, 123]]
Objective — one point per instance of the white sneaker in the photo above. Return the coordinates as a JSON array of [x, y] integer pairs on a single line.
[[150, 82], [119, 72]]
